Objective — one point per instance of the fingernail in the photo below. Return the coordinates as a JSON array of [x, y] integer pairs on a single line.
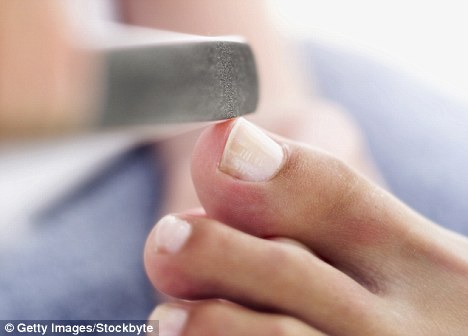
[[171, 319], [249, 154], [171, 233]]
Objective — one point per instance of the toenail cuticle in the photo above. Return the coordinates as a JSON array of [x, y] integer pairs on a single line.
[[250, 154], [171, 233]]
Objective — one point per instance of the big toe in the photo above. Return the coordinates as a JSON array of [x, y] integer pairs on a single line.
[[268, 186]]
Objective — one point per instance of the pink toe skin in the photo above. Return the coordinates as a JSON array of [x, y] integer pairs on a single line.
[[228, 190]]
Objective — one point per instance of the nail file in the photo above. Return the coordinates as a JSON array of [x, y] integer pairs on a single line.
[[176, 79]]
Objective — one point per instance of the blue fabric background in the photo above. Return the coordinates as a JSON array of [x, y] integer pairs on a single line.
[[83, 259]]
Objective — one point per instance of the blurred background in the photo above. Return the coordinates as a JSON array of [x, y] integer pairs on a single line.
[[426, 39]]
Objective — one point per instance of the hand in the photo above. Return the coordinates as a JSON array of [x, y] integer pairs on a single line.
[[46, 81], [294, 242]]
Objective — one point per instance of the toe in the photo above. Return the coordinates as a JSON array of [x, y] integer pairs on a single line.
[[276, 187], [192, 257], [216, 317]]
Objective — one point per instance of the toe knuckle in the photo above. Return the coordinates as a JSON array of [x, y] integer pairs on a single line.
[[325, 183], [283, 254]]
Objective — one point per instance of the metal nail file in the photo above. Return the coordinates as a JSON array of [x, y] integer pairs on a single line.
[[176, 79], [153, 83]]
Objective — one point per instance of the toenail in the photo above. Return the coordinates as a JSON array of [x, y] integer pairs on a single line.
[[249, 154], [171, 319], [171, 233]]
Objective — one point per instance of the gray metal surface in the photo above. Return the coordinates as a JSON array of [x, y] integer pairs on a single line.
[[179, 82]]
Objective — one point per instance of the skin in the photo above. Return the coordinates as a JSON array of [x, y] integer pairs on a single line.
[[364, 263], [46, 82]]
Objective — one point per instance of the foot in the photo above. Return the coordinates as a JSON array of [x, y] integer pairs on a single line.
[[294, 242]]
